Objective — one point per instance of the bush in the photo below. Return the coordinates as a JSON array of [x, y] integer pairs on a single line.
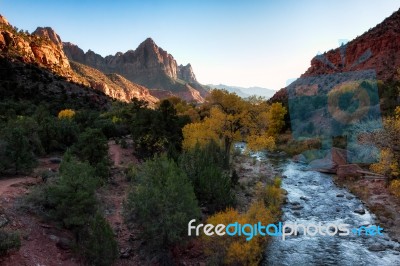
[[395, 188], [236, 250], [98, 243], [9, 241], [155, 131], [387, 164], [18, 152], [66, 114], [212, 184], [71, 199], [92, 147], [162, 203], [271, 195]]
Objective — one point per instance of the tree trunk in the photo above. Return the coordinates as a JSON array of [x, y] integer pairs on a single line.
[[228, 145]]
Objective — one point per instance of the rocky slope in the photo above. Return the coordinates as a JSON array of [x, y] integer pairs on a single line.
[[44, 48], [113, 85], [36, 48], [378, 49], [148, 65]]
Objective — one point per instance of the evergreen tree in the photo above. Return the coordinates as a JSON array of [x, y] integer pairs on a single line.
[[18, 151], [163, 202]]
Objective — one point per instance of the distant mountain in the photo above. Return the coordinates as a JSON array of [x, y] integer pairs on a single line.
[[147, 65], [245, 92]]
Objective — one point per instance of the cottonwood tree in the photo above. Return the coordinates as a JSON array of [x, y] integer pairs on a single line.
[[232, 119]]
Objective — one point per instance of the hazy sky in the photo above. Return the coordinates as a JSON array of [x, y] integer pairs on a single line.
[[242, 43]]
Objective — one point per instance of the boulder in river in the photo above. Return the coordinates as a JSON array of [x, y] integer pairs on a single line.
[[325, 165], [377, 247], [360, 211], [300, 158], [297, 207]]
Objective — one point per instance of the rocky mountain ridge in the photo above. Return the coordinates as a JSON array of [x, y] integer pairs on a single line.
[[377, 49], [44, 48], [148, 65]]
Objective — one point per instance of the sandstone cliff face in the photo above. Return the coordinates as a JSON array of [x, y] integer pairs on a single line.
[[3, 20], [186, 73], [34, 48], [148, 65], [50, 34], [378, 49], [380, 46], [44, 48], [112, 85]]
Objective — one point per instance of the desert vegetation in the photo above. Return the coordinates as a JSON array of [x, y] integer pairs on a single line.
[[183, 173]]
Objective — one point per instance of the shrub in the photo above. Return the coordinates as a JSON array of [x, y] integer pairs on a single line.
[[18, 152], [162, 203], [98, 243], [71, 199], [9, 241], [66, 114], [271, 195], [395, 188], [92, 147], [212, 184], [387, 164], [68, 132], [236, 250]]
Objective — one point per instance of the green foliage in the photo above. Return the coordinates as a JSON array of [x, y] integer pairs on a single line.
[[71, 200], [98, 244], [18, 152], [92, 147], [205, 168], [155, 131], [234, 178], [48, 134], [9, 241], [69, 132], [162, 202], [271, 195]]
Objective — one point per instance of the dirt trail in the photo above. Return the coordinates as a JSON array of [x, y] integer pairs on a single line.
[[6, 183]]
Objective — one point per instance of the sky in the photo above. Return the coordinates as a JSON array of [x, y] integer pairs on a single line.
[[240, 43]]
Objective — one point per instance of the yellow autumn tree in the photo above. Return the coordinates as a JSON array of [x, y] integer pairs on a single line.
[[389, 142], [236, 250], [387, 164], [66, 113], [231, 118]]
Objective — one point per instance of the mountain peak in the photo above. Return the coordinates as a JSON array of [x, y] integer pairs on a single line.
[[149, 42], [48, 32], [3, 20], [148, 65]]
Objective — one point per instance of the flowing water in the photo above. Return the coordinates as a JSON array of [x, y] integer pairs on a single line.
[[318, 197]]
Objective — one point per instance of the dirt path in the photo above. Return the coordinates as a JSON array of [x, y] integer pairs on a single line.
[[5, 184], [112, 197]]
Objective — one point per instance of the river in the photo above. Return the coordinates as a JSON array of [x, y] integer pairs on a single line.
[[323, 202]]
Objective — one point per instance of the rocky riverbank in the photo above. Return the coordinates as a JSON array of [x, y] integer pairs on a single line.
[[376, 196]]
